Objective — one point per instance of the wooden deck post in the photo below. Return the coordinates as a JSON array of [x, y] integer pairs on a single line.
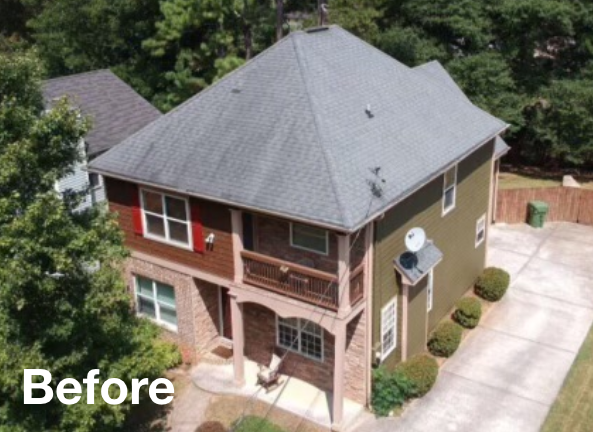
[[238, 340], [237, 236], [338, 393], [344, 273]]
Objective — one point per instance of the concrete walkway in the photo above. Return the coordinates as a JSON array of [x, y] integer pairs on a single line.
[[293, 395], [508, 372]]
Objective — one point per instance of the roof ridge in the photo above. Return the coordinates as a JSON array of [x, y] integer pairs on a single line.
[[326, 156], [96, 71]]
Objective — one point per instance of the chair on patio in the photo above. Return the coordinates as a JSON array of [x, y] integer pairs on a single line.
[[269, 376]]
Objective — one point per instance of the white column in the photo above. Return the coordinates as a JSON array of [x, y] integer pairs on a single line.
[[237, 236], [344, 272], [340, 357], [238, 340]]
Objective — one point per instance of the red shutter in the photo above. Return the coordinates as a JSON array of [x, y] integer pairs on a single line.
[[196, 228], [136, 210]]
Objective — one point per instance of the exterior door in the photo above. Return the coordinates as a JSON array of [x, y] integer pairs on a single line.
[[225, 312]]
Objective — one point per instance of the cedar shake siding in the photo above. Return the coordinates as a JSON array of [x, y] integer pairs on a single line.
[[215, 219], [454, 234]]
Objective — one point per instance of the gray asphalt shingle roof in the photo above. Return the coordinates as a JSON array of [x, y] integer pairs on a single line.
[[288, 133], [117, 111], [437, 72]]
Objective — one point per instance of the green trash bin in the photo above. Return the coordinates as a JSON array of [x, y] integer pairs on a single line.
[[537, 213]]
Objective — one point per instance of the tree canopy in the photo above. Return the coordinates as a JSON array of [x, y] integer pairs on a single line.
[[63, 303]]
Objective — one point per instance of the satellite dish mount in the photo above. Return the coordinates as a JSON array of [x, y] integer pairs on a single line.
[[415, 241]]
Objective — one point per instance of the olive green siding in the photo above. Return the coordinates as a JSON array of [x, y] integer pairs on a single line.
[[454, 234], [417, 318]]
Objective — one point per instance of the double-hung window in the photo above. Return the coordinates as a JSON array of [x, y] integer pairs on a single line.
[[156, 301], [480, 230], [449, 190], [300, 336], [388, 328], [166, 218], [309, 238]]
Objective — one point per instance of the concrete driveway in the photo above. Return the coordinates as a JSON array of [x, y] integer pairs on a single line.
[[507, 373]]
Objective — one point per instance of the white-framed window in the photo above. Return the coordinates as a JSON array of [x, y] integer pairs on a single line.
[[301, 336], [480, 230], [388, 328], [309, 238], [156, 301], [449, 189], [166, 218], [430, 291], [95, 181]]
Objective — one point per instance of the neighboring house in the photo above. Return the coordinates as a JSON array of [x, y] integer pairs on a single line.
[[116, 112], [272, 208]]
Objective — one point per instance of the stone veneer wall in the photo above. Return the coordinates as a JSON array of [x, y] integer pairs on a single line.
[[354, 369], [260, 342], [196, 303]]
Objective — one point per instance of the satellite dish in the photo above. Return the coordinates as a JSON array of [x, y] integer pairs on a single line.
[[415, 239]]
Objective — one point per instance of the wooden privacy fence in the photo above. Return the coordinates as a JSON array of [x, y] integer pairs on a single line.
[[566, 204]]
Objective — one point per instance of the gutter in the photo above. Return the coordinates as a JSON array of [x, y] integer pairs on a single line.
[[220, 201], [327, 226], [378, 213]]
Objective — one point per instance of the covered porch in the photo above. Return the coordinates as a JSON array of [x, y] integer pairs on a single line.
[[293, 394]]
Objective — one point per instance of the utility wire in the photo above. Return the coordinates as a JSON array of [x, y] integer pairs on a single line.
[[324, 311]]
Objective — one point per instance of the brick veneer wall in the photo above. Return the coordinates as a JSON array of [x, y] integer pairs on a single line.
[[215, 219], [196, 304], [273, 239], [260, 342]]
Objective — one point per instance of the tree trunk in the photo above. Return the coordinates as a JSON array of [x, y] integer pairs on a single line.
[[279, 19], [248, 36]]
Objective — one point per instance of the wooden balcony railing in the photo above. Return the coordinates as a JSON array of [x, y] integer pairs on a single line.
[[297, 281], [357, 284]]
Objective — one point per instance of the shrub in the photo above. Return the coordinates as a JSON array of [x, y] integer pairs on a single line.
[[255, 424], [390, 390], [445, 339], [492, 284], [468, 312], [422, 371]]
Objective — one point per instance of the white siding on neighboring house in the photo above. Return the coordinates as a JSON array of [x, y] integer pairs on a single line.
[[79, 181]]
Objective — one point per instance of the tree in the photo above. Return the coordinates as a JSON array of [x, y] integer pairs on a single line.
[[487, 80], [560, 124], [63, 303]]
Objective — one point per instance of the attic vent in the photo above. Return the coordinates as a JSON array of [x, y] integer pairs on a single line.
[[236, 90], [317, 29]]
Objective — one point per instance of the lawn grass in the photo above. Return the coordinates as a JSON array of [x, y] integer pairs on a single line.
[[224, 411], [517, 181], [573, 409], [512, 180]]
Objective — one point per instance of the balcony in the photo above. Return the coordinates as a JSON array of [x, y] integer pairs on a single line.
[[298, 281]]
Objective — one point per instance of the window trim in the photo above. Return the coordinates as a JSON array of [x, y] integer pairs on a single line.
[[157, 320], [481, 219], [300, 330], [430, 291], [390, 303], [324, 253], [165, 217], [446, 211]]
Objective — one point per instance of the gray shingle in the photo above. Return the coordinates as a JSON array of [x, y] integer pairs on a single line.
[[415, 266], [288, 133], [117, 111]]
